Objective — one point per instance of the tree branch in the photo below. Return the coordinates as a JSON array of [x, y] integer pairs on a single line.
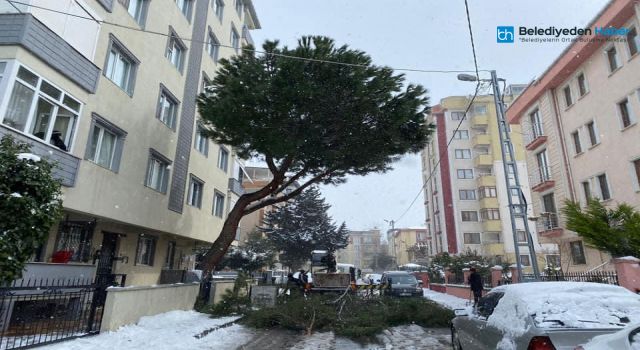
[[287, 196], [292, 179]]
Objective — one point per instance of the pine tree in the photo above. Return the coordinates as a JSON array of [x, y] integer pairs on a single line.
[[251, 255], [302, 225], [312, 122]]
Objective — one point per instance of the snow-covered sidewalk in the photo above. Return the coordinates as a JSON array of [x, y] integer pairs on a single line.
[[171, 330], [445, 300]]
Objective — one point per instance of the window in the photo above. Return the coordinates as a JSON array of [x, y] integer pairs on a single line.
[[521, 236], [625, 115], [525, 260], [543, 166], [75, 238], [461, 135], [568, 100], [479, 109], [213, 46], [158, 172], [465, 173], [553, 260], [201, 142], [171, 254], [457, 115], [196, 188], [223, 159], [582, 84], [471, 238], [593, 136], [491, 237], [176, 51], [38, 108], [633, 41], [121, 66], [487, 192], [218, 204], [137, 9], [536, 124], [490, 214], [612, 58], [549, 203], [235, 40], [576, 141], [105, 144], [467, 194], [185, 7], [469, 216], [586, 188], [577, 253], [167, 108], [488, 303], [239, 7], [146, 250], [463, 154], [636, 168], [218, 8], [604, 187]]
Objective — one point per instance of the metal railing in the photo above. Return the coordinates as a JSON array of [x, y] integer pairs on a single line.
[[540, 175], [40, 311], [172, 276], [547, 222], [605, 277], [235, 186]]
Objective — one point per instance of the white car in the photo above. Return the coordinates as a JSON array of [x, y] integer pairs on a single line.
[[626, 339], [373, 278]]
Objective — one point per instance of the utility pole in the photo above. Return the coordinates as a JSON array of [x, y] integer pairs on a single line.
[[517, 207]]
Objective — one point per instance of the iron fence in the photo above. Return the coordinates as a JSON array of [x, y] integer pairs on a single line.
[[36, 312], [605, 277], [456, 278], [172, 276]]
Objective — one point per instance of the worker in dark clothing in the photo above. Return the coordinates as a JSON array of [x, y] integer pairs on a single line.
[[475, 282]]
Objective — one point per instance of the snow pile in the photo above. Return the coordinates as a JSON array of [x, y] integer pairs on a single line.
[[446, 300], [28, 156], [563, 305], [635, 343], [170, 330]]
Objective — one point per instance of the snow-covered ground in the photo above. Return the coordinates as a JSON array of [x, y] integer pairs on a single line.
[[445, 300], [171, 330]]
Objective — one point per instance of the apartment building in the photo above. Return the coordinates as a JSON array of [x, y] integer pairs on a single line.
[[405, 244], [579, 118], [466, 197], [107, 89], [362, 249]]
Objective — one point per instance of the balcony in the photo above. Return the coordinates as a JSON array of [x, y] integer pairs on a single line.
[[479, 121], [481, 140], [246, 35], [492, 225], [235, 186], [489, 202], [493, 248], [541, 179], [483, 161], [535, 137], [486, 180], [548, 225]]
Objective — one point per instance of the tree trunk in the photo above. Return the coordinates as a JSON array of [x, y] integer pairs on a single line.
[[227, 235]]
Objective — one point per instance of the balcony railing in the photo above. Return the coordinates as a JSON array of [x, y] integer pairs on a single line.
[[535, 137], [541, 178], [235, 186], [547, 222]]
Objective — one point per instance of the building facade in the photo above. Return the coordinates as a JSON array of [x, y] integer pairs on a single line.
[[107, 89], [406, 245], [579, 119], [466, 197], [362, 249]]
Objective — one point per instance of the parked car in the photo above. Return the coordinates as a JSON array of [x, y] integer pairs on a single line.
[[544, 316], [626, 339], [373, 278], [401, 284]]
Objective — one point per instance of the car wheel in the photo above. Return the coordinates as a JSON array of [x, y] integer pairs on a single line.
[[455, 340]]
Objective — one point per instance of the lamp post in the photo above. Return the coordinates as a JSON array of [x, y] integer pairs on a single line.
[[517, 209]]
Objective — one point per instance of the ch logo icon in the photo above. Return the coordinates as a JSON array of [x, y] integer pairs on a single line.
[[505, 34]]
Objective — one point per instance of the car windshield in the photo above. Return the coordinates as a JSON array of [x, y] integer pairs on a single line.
[[403, 280]]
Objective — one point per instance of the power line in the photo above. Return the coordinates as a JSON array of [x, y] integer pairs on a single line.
[[416, 70], [444, 152]]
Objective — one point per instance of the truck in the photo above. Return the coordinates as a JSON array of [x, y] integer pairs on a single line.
[[329, 276]]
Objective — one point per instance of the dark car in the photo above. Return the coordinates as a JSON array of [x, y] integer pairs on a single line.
[[400, 284]]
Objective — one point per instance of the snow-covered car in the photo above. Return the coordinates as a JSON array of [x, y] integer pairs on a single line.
[[626, 339], [544, 316]]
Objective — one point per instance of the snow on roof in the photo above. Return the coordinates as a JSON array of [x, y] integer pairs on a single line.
[[629, 258], [28, 156], [412, 265], [564, 304]]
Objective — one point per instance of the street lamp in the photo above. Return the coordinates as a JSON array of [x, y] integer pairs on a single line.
[[516, 210]]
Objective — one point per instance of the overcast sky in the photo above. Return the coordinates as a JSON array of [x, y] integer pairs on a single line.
[[420, 34]]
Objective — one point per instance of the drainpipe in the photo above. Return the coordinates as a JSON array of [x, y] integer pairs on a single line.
[[563, 146]]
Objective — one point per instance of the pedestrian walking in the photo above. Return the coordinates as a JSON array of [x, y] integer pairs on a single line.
[[475, 282]]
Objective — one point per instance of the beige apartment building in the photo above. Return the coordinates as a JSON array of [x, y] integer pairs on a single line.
[[404, 245], [579, 118], [107, 88], [465, 191], [362, 249]]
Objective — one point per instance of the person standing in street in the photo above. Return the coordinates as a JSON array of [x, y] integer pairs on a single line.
[[475, 282]]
